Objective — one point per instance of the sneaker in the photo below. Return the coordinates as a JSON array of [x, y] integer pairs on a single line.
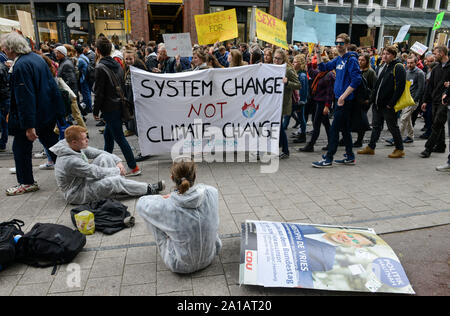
[[156, 188], [307, 149], [390, 142], [128, 133], [133, 173], [47, 166], [100, 124], [443, 168], [366, 151], [346, 161], [284, 156], [301, 138], [12, 170], [22, 189], [40, 155], [324, 163], [397, 154], [408, 140]]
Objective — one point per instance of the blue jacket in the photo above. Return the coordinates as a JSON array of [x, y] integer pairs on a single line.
[[348, 73], [35, 98]]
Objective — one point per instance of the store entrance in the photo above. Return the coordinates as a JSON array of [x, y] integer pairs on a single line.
[[165, 18]]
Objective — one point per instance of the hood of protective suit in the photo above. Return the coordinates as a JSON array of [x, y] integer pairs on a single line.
[[192, 198], [62, 148]]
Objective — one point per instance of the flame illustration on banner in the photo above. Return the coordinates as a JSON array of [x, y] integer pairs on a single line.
[[249, 110]]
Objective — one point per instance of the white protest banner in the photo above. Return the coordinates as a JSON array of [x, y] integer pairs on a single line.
[[402, 33], [419, 48], [214, 110], [178, 44], [320, 257]]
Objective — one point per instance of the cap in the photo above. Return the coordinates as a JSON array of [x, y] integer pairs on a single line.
[[62, 50]]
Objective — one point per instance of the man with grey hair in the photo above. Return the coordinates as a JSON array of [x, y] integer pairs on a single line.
[[36, 105]]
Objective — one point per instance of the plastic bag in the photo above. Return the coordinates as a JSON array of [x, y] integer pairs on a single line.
[[85, 222]]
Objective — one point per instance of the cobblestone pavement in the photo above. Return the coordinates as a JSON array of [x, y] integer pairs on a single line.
[[385, 194]]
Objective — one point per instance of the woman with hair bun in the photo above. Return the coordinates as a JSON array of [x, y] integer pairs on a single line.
[[185, 223]]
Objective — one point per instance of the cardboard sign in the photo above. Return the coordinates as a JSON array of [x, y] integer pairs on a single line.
[[216, 27], [402, 33], [419, 48], [314, 27], [178, 44], [271, 30]]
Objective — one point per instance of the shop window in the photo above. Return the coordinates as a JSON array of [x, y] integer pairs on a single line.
[[109, 11], [444, 4], [216, 9], [405, 3], [48, 32], [9, 11], [418, 3], [431, 4]]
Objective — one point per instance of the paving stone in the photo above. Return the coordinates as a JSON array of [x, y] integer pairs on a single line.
[[210, 286]]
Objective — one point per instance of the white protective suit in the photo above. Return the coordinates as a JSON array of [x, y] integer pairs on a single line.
[[185, 227], [83, 182]]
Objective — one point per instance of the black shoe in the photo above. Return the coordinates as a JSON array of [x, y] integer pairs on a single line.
[[425, 154], [301, 138], [325, 148], [424, 136], [307, 149], [101, 123], [283, 156], [155, 188], [140, 158], [357, 144]]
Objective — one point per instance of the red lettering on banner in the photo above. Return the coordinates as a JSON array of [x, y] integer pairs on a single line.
[[266, 19], [249, 260]]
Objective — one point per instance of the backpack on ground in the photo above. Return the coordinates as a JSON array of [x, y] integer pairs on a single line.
[[7, 243], [47, 245], [110, 215]]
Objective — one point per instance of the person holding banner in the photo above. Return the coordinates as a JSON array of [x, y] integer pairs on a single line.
[[291, 83], [348, 78]]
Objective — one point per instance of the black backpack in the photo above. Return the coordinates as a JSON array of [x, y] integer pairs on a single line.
[[7, 244], [47, 245]]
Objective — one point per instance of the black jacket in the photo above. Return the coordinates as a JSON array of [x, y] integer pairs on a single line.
[[5, 92], [435, 85], [106, 96], [389, 88], [66, 71]]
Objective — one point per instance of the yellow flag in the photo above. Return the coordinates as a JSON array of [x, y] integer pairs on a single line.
[[317, 8], [216, 27], [271, 30]]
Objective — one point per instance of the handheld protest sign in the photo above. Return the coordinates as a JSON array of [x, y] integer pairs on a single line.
[[270, 29], [216, 27]]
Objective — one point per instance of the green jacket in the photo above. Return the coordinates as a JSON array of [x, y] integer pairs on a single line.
[[293, 84]]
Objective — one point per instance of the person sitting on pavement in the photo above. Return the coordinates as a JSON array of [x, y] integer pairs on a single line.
[[185, 223], [83, 182]]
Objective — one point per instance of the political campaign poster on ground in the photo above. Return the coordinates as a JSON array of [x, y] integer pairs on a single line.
[[214, 110], [314, 27], [216, 27], [178, 44], [270, 29], [321, 257]]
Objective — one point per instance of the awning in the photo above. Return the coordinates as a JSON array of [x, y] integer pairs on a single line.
[[7, 26], [391, 21]]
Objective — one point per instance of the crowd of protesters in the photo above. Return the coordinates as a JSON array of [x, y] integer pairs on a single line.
[[322, 85]]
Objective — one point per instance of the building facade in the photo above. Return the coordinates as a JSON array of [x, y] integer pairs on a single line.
[[377, 22], [129, 19]]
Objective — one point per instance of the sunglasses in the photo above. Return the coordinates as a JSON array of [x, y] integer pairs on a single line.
[[339, 43]]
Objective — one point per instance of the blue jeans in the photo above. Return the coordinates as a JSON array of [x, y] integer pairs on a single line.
[[341, 123], [283, 136], [114, 132], [86, 93], [4, 110]]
